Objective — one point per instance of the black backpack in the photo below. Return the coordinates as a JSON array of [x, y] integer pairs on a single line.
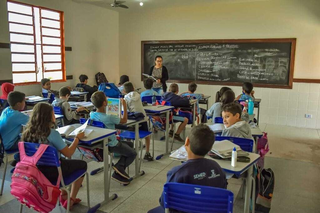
[[1, 151], [265, 187], [100, 78]]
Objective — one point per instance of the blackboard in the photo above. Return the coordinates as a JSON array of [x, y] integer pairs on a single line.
[[264, 62]]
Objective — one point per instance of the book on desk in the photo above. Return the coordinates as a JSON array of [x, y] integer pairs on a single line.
[[71, 131]]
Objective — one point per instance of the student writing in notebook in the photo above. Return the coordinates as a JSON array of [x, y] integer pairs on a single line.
[[125, 149], [197, 169]]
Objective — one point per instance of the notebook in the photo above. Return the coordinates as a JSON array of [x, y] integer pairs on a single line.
[[224, 149], [72, 131], [180, 154]]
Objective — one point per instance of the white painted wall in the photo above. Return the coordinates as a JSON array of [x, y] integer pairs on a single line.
[[262, 19], [91, 31]]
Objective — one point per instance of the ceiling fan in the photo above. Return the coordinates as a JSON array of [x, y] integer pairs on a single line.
[[119, 4]]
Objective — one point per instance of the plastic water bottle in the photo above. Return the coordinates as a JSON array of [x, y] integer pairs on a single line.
[[234, 157], [250, 107], [154, 100]]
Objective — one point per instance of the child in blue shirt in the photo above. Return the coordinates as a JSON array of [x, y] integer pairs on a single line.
[[247, 92], [39, 130], [149, 91], [11, 120], [46, 90], [125, 149], [197, 169]]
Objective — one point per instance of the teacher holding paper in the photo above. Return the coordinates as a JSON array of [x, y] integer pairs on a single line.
[[160, 73]]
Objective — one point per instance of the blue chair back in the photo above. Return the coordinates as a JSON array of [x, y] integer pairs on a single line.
[[244, 143], [93, 123], [218, 120], [49, 158], [197, 199], [57, 110], [148, 99]]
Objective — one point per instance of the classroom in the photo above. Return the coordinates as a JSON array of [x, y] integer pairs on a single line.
[[98, 37]]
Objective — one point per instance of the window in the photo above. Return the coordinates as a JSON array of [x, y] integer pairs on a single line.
[[37, 43]]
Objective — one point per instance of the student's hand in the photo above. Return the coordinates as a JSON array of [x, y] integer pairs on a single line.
[[158, 81], [80, 135], [69, 88], [81, 109]]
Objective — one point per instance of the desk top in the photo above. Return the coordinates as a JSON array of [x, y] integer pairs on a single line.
[[36, 99], [157, 109], [78, 93], [206, 97], [96, 135], [28, 112], [225, 164], [256, 131]]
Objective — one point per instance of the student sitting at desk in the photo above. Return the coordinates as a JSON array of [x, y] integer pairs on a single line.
[[216, 109], [39, 130], [46, 90], [176, 101], [149, 91], [125, 149], [134, 104], [247, 92], [12, 119], [234, 126], [192, 87], [70, 116], [198, 170], [84, 84], [123, 79]]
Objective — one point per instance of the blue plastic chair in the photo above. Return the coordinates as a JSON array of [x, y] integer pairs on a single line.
[[244, 143], [51, 158], [148, 99], [6, 155], [197, 199], [57, 110], [218, 120]]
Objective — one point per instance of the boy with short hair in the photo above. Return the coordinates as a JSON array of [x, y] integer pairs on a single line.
[[11, 120], [149, 91], [125, 149], [84, 84], [176, 101], [247, 92], [234, 126], [46, 90], [197, 169], [70, 116], [134, 104]]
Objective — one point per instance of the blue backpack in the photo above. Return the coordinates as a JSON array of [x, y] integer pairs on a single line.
[[110, 90]]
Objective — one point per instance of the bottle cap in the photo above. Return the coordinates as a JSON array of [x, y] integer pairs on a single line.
[[234, 149]]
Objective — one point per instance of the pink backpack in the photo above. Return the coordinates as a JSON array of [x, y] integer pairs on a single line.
[[30, 186], [263, 149]]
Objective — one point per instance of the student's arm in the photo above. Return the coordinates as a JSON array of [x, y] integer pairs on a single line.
[[68, 151], [90, 89], [124, 117], [68, 112], [237, 98]]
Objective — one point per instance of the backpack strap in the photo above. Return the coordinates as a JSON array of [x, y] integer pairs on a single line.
[[32, 160]]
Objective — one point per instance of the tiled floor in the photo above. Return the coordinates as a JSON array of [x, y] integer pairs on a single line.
[[294, 158]]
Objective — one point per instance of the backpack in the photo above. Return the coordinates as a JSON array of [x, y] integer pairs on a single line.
[[262, 148], [265, 186], [159, 122], [30, 186], [100, 78], [110, 90]]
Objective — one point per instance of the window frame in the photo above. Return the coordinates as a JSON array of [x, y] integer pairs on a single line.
[[62, 44]]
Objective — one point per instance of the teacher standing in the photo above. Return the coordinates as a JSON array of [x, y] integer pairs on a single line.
[[160, 73]]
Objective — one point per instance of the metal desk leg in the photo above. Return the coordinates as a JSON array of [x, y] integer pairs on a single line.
[[167, 132], [138, 159], [85, 97], [258, 114], [248, 190], [194, 114], [107, 178]]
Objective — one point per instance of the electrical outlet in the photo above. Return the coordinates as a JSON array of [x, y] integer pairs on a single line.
[[308, 116]]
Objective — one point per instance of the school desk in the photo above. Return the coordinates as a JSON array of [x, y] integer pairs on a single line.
[[77, 94], [33, 100], [205, 100]]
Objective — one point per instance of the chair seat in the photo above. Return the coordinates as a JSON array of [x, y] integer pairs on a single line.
[[131, 135], [10, 152], [68, 180]]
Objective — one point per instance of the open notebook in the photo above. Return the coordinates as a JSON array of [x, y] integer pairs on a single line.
[[72, 131], [224, 149]]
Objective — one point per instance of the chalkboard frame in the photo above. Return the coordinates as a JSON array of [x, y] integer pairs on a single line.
[[292, 42]]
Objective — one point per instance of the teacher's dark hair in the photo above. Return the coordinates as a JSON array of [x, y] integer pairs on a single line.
[[158, 56]]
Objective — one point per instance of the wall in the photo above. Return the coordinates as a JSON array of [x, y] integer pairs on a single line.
[[91, 31], [265, 19]]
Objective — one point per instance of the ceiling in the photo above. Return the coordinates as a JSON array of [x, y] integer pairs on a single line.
[[151, 4]]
